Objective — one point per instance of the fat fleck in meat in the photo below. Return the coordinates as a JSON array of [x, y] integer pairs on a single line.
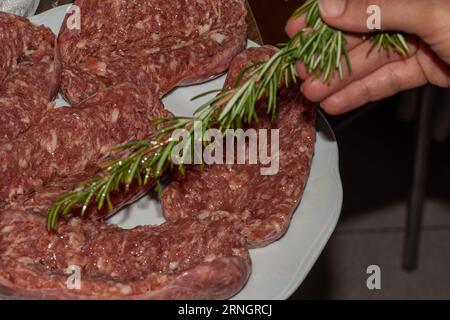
[[259, 206], [188, 260], [71, 141], [155, 43], [29, 75]]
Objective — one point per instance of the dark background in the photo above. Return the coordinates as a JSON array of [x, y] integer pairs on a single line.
[[377, 147]]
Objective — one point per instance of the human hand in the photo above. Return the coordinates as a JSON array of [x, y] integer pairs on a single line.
[[380, 75]]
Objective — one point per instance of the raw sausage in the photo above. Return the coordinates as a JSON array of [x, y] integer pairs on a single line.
[[260, 206], [188, 260], [74, 140], [157, 43], [29, 74]]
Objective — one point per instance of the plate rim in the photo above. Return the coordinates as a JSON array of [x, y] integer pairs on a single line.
[[317, 248]]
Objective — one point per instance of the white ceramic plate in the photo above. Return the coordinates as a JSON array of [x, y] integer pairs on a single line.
[[35, 7], [19, 7], [279, 269]]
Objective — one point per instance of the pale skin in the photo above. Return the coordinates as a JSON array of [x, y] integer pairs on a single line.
[[379, 75]]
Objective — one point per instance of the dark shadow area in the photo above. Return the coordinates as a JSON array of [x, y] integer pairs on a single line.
[[271, 16], [376, 161], [317, 285]]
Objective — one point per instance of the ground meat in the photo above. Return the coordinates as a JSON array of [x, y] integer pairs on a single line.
[[247, 58], [155, 43], [29, 75], [188, 260], [125, 57], [260, 206], [42, 199], [71, 141]]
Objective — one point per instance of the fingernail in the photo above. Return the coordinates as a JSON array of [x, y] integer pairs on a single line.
[[332, 8]]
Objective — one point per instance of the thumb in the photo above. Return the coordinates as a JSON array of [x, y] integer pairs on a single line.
[[354, 15]]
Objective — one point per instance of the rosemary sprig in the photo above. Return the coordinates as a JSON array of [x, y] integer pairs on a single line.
[[321, 47], [389, 41], [325, 45], [148, 160]]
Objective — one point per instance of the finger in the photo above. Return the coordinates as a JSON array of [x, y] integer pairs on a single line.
[[302, 71], [385, 82], [353, 40], [295, 25], [435, 69], [401, 15], [315, 89]]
